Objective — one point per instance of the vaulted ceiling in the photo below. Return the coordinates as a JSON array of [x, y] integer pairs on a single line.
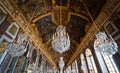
[[45, 15]]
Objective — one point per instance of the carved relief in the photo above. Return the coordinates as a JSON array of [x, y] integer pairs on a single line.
[[60, 16], [3, 46]]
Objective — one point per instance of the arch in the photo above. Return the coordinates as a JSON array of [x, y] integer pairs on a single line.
[[31, 51]]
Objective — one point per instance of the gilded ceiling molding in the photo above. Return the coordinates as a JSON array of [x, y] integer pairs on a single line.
[[76, 43], [79, 15], [48, 41], [57, 16], [65, 16], [30, 32], [41, 16], [60, 14], [60, 17]]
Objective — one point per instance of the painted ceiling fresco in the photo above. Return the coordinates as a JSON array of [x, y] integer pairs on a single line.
[[46, 15]]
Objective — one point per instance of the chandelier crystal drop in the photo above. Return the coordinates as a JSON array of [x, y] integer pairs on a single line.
[[105, 44], [61, 40]]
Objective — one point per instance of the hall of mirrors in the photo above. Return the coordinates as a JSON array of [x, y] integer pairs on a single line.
[[26, 36]]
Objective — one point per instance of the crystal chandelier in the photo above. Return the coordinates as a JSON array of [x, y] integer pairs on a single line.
[[61, 40], [16, 49], [105, 44]]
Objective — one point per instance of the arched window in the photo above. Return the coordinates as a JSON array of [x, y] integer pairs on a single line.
[[75, 66], [84, 66], [40, 60], [90, 61], [34, 55]]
